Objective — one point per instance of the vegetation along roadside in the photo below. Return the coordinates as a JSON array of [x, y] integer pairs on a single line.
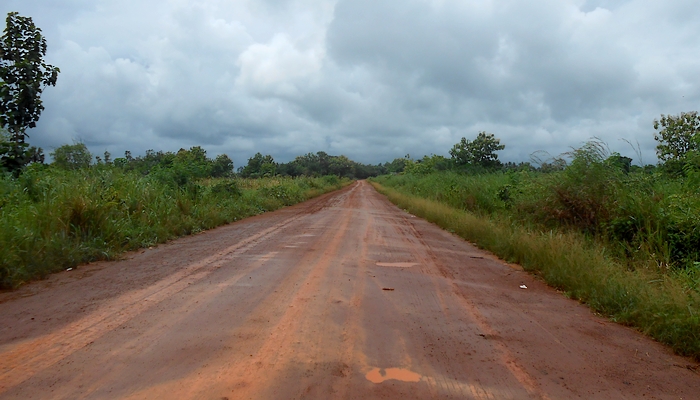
[[620, 238], [53, 218]]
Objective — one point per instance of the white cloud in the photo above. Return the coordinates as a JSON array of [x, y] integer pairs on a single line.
[[372, 79], [278, 68]]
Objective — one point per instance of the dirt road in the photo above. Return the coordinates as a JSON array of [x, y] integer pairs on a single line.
[[344, 296]]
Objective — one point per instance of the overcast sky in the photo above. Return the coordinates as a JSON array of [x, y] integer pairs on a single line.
[[370, 79]]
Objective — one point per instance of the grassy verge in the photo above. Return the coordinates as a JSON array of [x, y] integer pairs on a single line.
[[53, 219], [660, 305]]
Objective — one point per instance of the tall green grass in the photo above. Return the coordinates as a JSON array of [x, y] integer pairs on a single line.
[[53, 219], [624, 240], [663, 305], [644, 219]]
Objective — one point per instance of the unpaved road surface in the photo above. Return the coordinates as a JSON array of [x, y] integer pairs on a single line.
[[344, 296]]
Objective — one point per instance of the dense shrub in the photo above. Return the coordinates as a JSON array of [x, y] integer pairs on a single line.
[[662, 303], [52, 219], [643, 217]]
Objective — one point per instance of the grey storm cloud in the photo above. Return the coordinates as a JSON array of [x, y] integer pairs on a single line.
[[371, 79]]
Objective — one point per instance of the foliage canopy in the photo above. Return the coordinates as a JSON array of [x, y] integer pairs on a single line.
[[23, 75], [72, 156], [678, 137], [479, 152], [259, 166]]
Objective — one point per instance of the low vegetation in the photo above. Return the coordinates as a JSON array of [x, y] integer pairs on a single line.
[[621, 238], [54, 218]]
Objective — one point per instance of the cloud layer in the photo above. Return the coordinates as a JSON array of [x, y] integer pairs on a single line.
[[371, 79]]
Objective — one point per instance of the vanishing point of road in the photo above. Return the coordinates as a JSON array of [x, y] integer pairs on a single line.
[[344, 296]]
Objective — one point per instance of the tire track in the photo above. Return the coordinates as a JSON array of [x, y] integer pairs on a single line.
[[297, 308], [22, 361]]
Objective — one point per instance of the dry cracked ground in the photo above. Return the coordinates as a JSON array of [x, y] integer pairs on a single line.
[[344, 296]]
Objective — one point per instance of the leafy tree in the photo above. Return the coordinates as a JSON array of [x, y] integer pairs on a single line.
[[195, 154], [479, 152], [29, 155], [364, 171], [268, 168], [678, 142], [290, 169], [222, 166], [427, 164], [72, 156], [121, 162], [398, 165], [192, 163], [308, 165], [324, 161], [620, 162], [259, 166], [23, 75], [323, 164], [677, 135], [311, 164], [175, 168], [341, 166], [34, 155], [5, 146]]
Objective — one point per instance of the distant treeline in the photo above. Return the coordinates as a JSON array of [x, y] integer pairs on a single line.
[[319, 164], [53, 217], [194, 164]]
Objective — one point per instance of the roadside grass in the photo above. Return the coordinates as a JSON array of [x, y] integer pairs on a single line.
[[664, 306], [52, 219]]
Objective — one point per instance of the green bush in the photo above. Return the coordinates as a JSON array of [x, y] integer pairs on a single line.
[[52, 219], [663, 303], [644, 218]]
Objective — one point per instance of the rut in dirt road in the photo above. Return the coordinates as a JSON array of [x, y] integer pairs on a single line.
[[344, 296]]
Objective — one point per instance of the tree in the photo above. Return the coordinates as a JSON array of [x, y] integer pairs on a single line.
[[222, 166], [340, 166], [193, 162], [324, 161], [259, 166], [677, 136], [309, 165], [72, 156], [398, 165], [620, 162], [29, 155], [291, 168], [481, 151], [23, 75], [427, 164]]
